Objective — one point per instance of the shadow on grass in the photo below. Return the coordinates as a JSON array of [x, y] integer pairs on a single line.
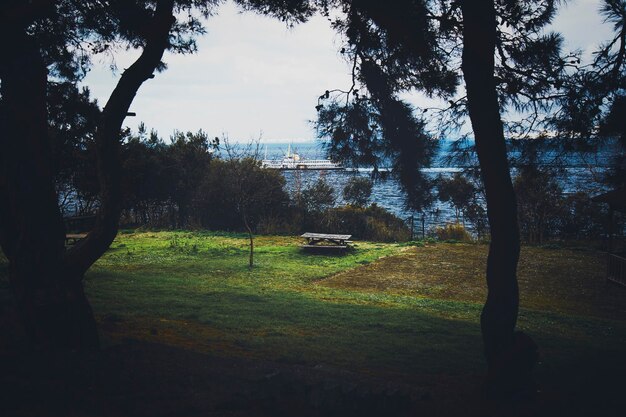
[[141, 378]]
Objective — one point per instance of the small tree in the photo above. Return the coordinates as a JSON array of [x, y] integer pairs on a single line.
[[319, 197], [254, 191], [315, 202], [457, 191], [540, 203], [189, 156], [582, 218], [477, 217], [358, 191]]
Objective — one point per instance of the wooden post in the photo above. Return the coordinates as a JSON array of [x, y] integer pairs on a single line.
[[423, 226], [610, 242], [412, 226], [609, 248]]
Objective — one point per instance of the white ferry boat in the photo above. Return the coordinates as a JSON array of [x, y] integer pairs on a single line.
[[294, 161]]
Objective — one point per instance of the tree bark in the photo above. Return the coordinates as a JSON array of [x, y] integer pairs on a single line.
[[45, 278], [50, 298], [509, 355]]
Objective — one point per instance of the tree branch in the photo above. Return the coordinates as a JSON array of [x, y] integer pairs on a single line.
[[86, 252]]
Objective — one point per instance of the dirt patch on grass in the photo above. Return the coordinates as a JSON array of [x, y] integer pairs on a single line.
[[437, 271], [558, 280]]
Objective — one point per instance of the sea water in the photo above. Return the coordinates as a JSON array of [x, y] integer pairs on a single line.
[[387, 193]]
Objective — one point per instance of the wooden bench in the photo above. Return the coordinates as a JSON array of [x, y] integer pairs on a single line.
[[324, 246]]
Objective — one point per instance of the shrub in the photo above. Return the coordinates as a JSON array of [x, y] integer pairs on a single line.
[[458, 191], [582, 218], [231, 189], [453, 231], [371, 223], [319, 197], [540, 203], [358, 191]]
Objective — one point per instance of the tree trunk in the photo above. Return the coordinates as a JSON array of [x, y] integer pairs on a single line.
[[251, 237], [183, 215], [510, 356], [45, 278], [48, 292]]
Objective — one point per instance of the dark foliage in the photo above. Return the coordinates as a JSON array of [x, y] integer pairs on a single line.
[[72, 121], [369, 124], [319, 197], [591, 103], [55, 40], [540, 203], [458, 191], [358, 191], [235, 192], [434, 37], [366, 223]]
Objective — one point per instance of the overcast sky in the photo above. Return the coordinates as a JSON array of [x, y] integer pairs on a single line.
[[253, 77]]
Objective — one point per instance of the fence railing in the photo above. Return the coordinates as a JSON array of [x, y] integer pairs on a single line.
[[616, 269]]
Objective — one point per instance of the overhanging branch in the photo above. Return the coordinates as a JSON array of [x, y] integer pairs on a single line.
[[86, 252]]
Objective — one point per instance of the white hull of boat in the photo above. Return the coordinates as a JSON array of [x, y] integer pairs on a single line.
[[301, 165], [292, 161]]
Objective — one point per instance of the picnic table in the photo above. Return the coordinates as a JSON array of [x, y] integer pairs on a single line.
[[72, 238], [326, 241], [77, 227]]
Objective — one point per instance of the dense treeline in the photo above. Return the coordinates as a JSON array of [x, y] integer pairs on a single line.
[[185, 183], [191, 181], [545, 210]]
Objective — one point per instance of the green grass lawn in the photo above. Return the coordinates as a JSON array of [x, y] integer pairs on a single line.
[[403, 313], [383, 308]]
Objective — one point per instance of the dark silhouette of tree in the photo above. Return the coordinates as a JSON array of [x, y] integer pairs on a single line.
[[428, 46], [43, 39], [310, 204], [592, 104], [263, 190], [541, 203], [142, 184], [188, 157], [368, 124], [499, 315], [254, 192], [72, 121]]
